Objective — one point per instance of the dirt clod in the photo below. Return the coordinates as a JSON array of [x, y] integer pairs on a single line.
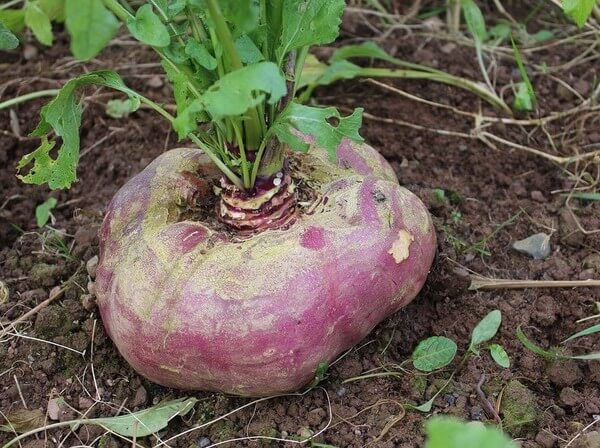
[[53, 321], [565, 373]]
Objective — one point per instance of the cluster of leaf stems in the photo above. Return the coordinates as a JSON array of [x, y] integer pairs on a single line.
[[249, 134]]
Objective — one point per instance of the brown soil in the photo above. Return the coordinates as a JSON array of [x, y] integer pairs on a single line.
[[490, 187]]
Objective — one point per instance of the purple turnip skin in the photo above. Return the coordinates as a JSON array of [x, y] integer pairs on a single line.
[[190, 308]]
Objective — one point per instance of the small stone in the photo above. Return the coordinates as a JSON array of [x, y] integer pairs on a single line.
[[569, 396], [536, 246], [545, 439], [583, 87], [448, 48], [587, 274], [592, 261], [85, 403], [588, 440], [155, 82], [88, 302], [563, 93], [91, 266], [341, 391], [29, 52], [53, 409], [141, 397], [91, 286], [203, 442], [476, 413], [305, 433], [316, 416], [538, 196], [284, 434]]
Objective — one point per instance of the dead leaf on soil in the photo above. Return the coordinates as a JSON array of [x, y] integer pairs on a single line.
[[23, 420]]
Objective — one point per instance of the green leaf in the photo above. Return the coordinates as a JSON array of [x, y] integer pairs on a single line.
[[448, 432], [591, 330], [146, 422], [54, 9], [238, 91], [249, 53], [474, 19], [308, 22], [338, 71], [312, 71], [315, 122], [500, 32], [585, 196], [90, 25], [589, 357], [63, 115], [543, 36], [499, 355], [434, 353], [8, 41], [534, 348], [523, 101], [148, 28], [485, 330], [39, 23], [367, 49], [525, 97], [42, 211], [243, 14], [578, 10], [200, 55], [120, 108], [13, 19]]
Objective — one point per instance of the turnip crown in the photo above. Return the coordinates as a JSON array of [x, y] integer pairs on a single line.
[[235, 67]]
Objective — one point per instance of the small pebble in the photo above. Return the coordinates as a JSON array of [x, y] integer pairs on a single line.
[[155, 82], [91, 266], [536, 246], [53, 409], [476, 413], [203, 442], [29, 52], [341, 391]]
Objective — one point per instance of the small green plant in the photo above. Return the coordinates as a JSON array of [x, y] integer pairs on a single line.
[[579, 10], [525, 95], [447, 432], [484, 331], [558, 352], [89, 23], [43, 212]]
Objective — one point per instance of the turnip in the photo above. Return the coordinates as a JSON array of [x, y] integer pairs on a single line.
[[278, 241]]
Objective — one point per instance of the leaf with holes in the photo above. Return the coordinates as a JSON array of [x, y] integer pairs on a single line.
[[63, 115], [317, 123]]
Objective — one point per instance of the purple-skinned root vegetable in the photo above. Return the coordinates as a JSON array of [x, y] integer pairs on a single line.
[[191, 305]]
